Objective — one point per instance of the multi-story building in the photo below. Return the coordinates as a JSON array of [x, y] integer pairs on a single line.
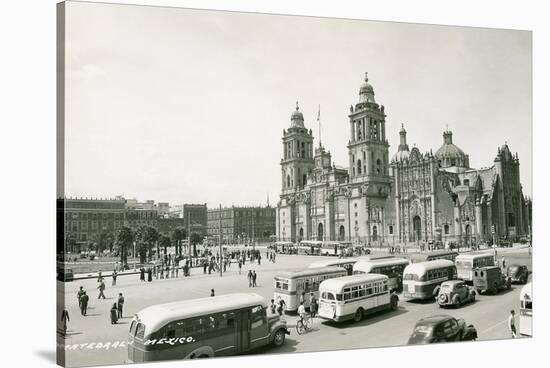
[[241, 224], [414, 197], [194, 216]]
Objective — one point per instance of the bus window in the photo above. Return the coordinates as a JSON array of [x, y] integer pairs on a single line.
[[257, 316], [140, 330], [133, 328], [281, 284]]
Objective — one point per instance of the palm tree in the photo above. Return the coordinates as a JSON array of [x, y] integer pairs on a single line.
[[165, 242], [178, 235], [196, 238], [146, 236], [123, 241]]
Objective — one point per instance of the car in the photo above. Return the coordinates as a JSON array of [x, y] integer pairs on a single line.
[[490, 279], [441, 328], [65, 274], [455, 293], [518, 273]]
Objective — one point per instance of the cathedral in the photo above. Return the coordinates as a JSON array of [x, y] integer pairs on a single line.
[[407, 197]]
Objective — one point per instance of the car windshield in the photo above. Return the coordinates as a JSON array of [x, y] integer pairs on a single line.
[[421, 334], [446, 287], [514, 269]]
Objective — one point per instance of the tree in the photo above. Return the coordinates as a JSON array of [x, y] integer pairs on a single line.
[[123, 241], [104, 240], [178, 235], [146, 237], [164, 242], [196, 238]]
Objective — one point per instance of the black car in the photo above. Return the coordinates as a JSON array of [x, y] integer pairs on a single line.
[[518, 273], [441, 328]]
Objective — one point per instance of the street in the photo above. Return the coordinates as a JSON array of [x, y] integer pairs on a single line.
[[92, 340]]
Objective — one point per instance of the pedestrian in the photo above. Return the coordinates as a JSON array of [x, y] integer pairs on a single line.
[[204, 265], [84, 303], [149, 274], [114, 277], [272, 306], [281, 307], [274, 257], [212, 293], [101, 287], [313, 305], [224, 265], [259, 260], [173, 271], [65, 318], [503, 262], [99, 277], [249, 276], [114, 312], [177, 271], [254, 278], [142, 274], [512, 324], [79, 294], [240, 266], [120, 305]]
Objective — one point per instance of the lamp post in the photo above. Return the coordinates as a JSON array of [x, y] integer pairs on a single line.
[[134, 254], [221, 248]]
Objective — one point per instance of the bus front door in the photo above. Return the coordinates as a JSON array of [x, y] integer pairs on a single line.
[[242, 335]]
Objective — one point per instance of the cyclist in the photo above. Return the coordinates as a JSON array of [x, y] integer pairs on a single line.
[[302, 312]]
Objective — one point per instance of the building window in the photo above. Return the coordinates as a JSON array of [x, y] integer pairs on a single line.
[[391, 230], [355, 214], [446, 229]]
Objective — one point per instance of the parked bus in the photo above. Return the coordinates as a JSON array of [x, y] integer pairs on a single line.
[[347, 264], [201, 328], [465, 264], [309, 247], [284, 247], [290, 286], [353, 297], [422, 280], [334, 248], [431, 256], [526, 310], [392, 267]]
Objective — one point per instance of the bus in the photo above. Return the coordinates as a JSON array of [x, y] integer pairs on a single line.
[[202, 328], [465, 263], [309, 247], [353, 297], [526, 310], [347, 264], [290, 286], [392, 267], [284, 247], [437, 254], [334, 248], [422, 280]]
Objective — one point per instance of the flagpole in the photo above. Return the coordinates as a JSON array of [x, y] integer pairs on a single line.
[[319, 122]]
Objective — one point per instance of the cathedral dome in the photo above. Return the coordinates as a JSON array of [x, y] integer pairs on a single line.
[[366, 92], [401, 155], [449, 154], [297, 118]]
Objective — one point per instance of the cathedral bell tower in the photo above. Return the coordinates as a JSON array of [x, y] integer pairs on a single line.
[[368, 147], [297, 162]]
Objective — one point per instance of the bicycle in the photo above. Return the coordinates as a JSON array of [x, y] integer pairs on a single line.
[[303, 325]]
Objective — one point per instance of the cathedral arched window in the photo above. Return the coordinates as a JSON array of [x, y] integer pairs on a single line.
[[359, 167], [446, 229], [378, 166], [288, 181]]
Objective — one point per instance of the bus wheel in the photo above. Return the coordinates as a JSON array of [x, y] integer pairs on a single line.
[[279, 338], [358, 315]]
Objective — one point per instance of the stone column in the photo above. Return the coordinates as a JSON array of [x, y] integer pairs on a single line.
[[479, 221], [457, 224]]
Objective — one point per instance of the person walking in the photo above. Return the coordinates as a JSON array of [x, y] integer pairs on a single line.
[[512, 324], [240, 266], [177, 271], [149, 275], [79, 294], [212, 292], [503, 264], [99, 277], [64, 319], [254, 278], [313, 305], [120, 305], [113, 313], [274, 256], [259, 260], [114, 278], [273, 307], [204, 265], [281, 307], [142, 274], [101, 287], [84, 303], [249, 276]]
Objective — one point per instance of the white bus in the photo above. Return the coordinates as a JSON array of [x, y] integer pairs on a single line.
[[284, 247], [392, 267], [310, 247], [465, 264], [202, 328], [347, 264], [290, 286], [422, 280], [353, 297], [526, 310], [334, 248]]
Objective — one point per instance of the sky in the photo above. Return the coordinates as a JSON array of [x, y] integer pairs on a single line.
[[189, 106]]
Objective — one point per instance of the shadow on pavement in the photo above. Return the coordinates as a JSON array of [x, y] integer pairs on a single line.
[[367, 320], [47, 355]]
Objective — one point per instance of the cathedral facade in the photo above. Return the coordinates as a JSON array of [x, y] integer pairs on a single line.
[[409, 198]]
